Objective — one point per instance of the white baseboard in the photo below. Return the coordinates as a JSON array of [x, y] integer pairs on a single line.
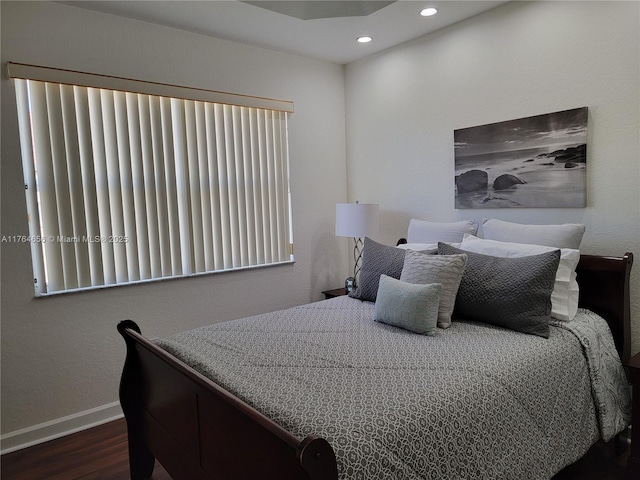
[[60, 427]]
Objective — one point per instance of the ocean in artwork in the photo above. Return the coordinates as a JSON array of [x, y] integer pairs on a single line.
[[547, 183], [535, 162]]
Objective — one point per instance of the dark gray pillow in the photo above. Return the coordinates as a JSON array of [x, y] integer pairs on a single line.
[[377, 259], [514, 293]]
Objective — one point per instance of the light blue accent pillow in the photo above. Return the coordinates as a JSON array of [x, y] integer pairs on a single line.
[[413, 307]]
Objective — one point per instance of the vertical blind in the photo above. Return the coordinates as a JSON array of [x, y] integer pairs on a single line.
[[124, 187]]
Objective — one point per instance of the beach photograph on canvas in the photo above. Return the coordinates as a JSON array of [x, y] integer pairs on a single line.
[[536, 162]]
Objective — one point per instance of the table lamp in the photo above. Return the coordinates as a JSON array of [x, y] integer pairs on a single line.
[[356, 220]]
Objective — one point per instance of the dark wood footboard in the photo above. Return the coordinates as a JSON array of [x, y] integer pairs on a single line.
[[198, 430]]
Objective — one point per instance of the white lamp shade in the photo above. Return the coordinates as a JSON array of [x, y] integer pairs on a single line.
[[356, 220]]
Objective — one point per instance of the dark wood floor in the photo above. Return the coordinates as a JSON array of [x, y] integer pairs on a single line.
[[100, 453]]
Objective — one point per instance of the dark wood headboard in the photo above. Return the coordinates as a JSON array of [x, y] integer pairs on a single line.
[[604, 289]]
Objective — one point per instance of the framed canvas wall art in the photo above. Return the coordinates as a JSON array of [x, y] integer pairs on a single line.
[[537, 161]]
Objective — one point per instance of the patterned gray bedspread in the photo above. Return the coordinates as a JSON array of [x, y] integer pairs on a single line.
[[473, 402]]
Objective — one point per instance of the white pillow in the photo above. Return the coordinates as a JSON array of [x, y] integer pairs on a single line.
[[568, 235], [421, 247], [422, 231], [564, 298]]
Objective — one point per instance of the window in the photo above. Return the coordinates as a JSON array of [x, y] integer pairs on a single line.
[[125, 186]]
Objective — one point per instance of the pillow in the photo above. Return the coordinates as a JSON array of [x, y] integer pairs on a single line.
[[568, 235], [564, 297], [407, 305], [424, 247], [418, 246], [514, 293], [377, 259], [421, 231], [444, 269]]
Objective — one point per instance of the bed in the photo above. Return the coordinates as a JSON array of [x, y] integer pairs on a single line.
[[320, 391]]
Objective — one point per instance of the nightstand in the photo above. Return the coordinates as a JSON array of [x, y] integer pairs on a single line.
[[336, 292]]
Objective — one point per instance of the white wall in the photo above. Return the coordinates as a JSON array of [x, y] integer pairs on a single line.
[[521, 59], [62, 355]]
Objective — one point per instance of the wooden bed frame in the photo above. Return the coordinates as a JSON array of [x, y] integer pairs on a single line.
[[197, 430]]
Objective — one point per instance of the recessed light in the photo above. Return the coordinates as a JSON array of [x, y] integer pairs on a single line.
[[427, 12], [364, 39]]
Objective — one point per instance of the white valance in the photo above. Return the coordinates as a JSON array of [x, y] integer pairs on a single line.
[[71, 77]]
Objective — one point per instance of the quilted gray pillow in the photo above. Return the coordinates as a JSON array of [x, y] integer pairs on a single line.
[[407, 305], [514, 293], [445, 269], [377, 259]]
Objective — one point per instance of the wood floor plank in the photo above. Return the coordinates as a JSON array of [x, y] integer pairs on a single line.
[[100, 453]]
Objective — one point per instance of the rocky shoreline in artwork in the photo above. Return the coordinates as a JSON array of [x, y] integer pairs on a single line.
[[476, 180]]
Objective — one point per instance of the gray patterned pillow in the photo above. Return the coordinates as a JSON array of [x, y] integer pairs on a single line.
[[445, 269], [377, 259], [410, 306], [513, 293]]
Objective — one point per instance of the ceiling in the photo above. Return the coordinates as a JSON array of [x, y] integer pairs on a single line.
[[329, 31]]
